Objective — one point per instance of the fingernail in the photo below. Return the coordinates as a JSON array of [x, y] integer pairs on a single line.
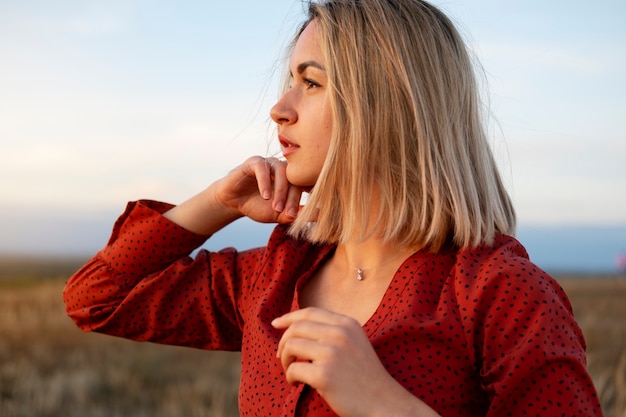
[[292, 212], [267, 194], [280, 206]]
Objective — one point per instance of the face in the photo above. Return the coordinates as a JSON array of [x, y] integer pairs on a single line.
[[303, 112]]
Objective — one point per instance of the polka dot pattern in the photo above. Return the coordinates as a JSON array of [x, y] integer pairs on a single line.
[[480, 332]]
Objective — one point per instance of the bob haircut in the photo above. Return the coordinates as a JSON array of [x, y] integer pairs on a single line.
[[407, 132]]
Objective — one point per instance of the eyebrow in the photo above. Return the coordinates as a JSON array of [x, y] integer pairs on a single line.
[[302, 67]]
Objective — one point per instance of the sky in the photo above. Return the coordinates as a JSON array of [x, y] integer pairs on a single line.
[[103, 102]]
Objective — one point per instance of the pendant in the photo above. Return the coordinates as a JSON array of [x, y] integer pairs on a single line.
[[359, 274]]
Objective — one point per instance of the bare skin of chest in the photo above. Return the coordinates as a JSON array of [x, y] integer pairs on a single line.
[[334, 289]]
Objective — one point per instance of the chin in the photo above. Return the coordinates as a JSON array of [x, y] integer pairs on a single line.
[[306, 182]]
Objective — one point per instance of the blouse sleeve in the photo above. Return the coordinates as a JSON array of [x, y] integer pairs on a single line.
[[529, 349], [145, 286]]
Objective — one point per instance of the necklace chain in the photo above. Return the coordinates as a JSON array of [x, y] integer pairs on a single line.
[[360, 274]]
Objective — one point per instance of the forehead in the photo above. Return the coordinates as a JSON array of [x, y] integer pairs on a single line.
[[307, 47]]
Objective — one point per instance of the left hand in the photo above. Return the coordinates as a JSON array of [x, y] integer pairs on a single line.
[[331, 353]]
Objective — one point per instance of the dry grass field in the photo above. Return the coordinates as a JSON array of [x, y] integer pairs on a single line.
[[48, 368]]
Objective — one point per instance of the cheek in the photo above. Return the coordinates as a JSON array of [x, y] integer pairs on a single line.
[[326, 131]]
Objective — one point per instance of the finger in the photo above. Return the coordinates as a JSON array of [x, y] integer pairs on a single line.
[[309, 330], [341, 335], [306, 362], [260, 168], [310, 314], [299, 350], [300, 372], [292, 206], [281, 185]]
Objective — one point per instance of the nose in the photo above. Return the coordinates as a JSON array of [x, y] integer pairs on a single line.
[[283, 111]]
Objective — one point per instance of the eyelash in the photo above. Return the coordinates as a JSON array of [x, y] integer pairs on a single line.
[[306, 81], [310, 83]]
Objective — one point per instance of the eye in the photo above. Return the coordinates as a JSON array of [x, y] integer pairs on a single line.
[[310, 83]]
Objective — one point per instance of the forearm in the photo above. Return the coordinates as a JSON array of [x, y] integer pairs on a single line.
[[142, 243], [202, 214], [119, 291]]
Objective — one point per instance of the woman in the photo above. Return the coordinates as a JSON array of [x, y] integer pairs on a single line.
[[397, 289]]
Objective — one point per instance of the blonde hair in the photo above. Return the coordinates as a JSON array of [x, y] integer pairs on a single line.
[[407, 132]]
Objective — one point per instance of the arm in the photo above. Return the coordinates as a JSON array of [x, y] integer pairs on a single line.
[[529, 348], [144, 286]]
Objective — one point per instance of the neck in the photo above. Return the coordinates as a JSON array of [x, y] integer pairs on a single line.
[[372, 258]]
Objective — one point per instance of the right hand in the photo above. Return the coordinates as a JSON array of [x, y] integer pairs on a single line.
[[259, 189]]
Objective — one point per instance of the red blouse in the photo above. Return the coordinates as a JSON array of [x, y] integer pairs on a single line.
[[480, 332]]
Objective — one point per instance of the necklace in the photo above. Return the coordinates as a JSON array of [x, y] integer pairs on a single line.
[[360, 273]]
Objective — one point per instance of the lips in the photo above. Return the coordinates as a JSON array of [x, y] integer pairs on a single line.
[[288, 147]]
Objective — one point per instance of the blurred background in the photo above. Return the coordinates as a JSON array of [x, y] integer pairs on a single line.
[[102, 102]]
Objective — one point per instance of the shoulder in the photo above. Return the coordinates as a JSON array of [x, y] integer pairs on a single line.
[[280, 241], [505, 257], [505, 252], [503, 272], [519, 326], [286, 254], [506, 301]]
